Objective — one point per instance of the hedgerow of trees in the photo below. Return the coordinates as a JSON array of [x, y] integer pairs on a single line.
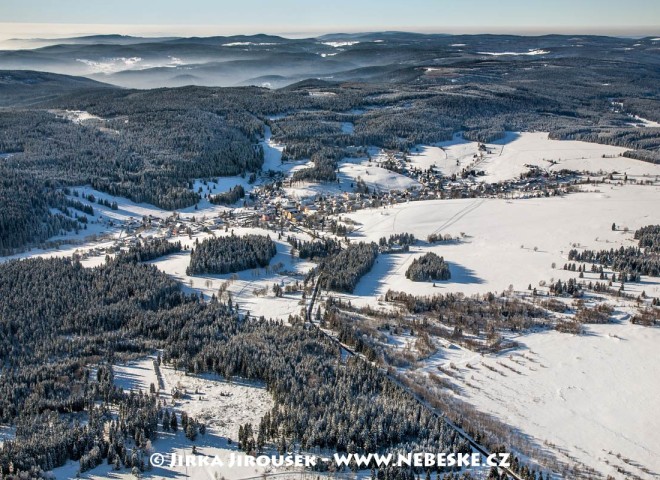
[[342, 272], [630, 261]]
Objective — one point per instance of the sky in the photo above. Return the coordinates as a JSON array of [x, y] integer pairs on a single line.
[[39, 18]]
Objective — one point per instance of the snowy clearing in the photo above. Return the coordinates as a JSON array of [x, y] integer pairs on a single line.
[[221, 405], [507, 242], [585, 397], [507, 158], [243, 285], [352, 170]]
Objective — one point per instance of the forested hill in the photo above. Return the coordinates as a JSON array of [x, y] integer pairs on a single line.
[[57, 349], [23, 87], [148, 145], [276, 61]]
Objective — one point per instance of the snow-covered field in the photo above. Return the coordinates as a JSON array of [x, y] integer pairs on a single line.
[[507, 158], [76, 116], [506, 242], [221, 405], [588, 403], [135, 376], [517, 150], [350, 171], [447, 157], [586, 398], [243, 284], [376, 178]]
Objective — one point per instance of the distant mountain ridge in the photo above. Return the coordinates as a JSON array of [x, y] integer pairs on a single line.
[[25, 87], [276, 61]]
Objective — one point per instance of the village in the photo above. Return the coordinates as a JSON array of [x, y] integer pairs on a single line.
[[273, 204]]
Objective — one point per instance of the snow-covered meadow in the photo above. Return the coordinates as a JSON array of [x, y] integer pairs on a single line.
[[584, 398], [507, 158], [503, 242], [243, 285]]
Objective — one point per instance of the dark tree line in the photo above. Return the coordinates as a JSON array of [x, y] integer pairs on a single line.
[[342, 272], [631, 261], [649, 238], [81, 316], [570, 287], [106, 203], [439, 237], [26, 216], [318, 402], [396, 242], [148, 156], [476, 314], [231, 254], [314, 249], [233, 195], [59, 321], [324, 168], [149, 249], [49, 308]]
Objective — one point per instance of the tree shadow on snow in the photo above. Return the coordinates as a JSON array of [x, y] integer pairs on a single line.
[[373, 282], [128, 380], [508, 138], [463, 275]]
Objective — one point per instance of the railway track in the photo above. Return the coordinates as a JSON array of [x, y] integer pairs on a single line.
[[309, 310], [462, 433]]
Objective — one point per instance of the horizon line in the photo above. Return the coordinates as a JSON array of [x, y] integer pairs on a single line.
[[35, 31]]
